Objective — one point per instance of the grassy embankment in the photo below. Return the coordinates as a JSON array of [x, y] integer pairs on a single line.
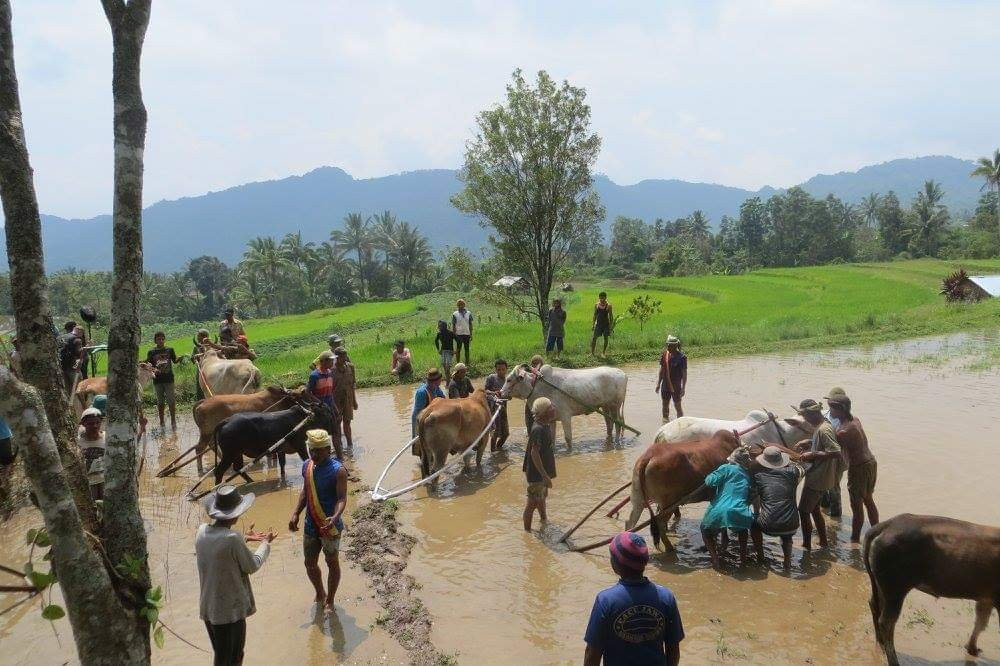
[[764, 311]]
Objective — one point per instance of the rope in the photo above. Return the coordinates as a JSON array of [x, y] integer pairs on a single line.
[[590, 408], [378, 495]]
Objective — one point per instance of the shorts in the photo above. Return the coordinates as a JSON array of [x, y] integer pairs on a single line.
[[861, 480], [447, 356], [809, 499], [770, 531], [164, 393], [537, 490], [554, 342], [312, 545], [345, 407], [602, 331], [501, 427]]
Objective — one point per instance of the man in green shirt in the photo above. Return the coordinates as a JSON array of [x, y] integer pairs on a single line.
[[823, 452]]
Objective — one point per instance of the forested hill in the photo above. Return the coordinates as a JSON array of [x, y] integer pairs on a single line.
[[220, 223]]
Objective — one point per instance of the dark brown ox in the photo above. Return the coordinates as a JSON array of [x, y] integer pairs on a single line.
[[943, 557], [209, 413], [450, 425], [667, 472]]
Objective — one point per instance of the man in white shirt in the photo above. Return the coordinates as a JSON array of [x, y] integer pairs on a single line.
[[461, 323], [224, 567]]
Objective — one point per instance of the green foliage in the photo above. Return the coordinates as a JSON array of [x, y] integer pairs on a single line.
[[52, 612], [643, 308]]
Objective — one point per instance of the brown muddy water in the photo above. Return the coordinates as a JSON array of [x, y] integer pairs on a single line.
[[499, 595]]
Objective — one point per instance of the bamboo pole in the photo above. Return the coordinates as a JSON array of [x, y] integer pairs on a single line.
[[592, 511]]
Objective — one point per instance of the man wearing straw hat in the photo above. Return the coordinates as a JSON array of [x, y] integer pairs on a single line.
[[825, 456], [862, 469], [635, 621], [324, 494], [224, 567], [774, 486]]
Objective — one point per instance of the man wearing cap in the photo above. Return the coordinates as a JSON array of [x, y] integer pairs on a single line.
[[460, 386], [774, 487], [862, 469], [635, 622], [539, 465], [422, 397], [672, 380], [831, 500], [324, 494], [334, 341], [557, 327], [230, 321], [321, 382], [345, 396], [90, 439], [824, 454], [224, 567]]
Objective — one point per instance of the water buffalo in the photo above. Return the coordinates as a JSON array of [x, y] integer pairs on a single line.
[[449, 425], [208, 413], [251, 434], [943, 557], [573, 392], [667, 473], [226, 376]]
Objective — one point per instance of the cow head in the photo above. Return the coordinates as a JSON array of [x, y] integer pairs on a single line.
[[146, 373], [322, 417], [518, 383], [795, 428]]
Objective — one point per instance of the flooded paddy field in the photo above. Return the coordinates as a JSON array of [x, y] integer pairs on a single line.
[[499, 595]]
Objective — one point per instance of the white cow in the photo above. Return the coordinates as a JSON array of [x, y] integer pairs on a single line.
[[226, 376], [572, 392], [688, 428]]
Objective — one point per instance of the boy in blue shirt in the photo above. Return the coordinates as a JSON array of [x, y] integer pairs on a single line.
[[635, 622]]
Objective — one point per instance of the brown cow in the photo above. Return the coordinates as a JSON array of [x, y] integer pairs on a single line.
[[943, 557], [667, 472], [210, 412], [450, 425], [86, 389]]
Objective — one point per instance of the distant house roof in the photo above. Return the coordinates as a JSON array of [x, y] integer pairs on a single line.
[[508, 281], [988, 283]]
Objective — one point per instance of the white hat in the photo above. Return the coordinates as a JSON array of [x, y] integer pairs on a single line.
[[541, 405], [459, 367], [91, 411]]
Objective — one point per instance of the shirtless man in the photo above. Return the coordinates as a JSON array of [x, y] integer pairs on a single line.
[[861, 466]]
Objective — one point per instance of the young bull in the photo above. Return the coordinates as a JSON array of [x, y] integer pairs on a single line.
[[449, 426], [86, 389], [573, 392], [943, 557]]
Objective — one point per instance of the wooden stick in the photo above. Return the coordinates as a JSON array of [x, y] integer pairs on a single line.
[[167, 469], [618, 507], [592, 511], [605, 542]]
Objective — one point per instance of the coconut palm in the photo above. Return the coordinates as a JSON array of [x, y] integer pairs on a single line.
[[411, 256], [697, 225], [989, 171], [264, 256], [869, 208], [384, 228], [355, 237], [928, 220]]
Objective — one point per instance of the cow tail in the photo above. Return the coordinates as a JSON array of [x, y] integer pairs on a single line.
[[654, 527], [866, 555], [425, 463], [215, 439]]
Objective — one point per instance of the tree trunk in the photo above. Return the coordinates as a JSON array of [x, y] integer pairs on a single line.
[[123, 528], [104, 631], [29, 287]]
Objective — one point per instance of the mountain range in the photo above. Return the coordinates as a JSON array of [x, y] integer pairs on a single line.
[[220, 223]]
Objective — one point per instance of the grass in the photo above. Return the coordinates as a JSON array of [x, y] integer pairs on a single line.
[[764, 311]]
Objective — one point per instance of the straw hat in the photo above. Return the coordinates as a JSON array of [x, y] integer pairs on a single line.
[[227, 503], [460, 367], [541, 406], [318, 439], [808, 405], [773, 458], [433, 374]]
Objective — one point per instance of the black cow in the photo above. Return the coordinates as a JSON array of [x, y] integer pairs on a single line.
[[253, 433], [943, 557]]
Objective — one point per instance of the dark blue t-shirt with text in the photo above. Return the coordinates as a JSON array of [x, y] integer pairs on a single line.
[[631, 622]]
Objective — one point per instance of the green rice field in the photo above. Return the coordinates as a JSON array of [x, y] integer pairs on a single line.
[[763, 311]]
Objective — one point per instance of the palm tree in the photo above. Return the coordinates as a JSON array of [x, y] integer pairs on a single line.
[[264, 256], [298, 256], [355, 237], [697, 225], [929, 219], [989, 171], [411, 256], [869, 208], [384, 231]]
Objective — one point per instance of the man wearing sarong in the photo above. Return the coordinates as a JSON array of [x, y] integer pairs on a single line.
[[324, 496]]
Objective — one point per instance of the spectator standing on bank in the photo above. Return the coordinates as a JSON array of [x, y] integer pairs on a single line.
[[604, 321], [557, 327], [444, 342], [461, 326]]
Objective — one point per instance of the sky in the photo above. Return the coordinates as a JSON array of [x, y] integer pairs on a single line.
[[745, 93]]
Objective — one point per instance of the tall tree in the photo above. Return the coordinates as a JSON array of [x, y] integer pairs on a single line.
[[989, 170], [355, 237], [384, 228], [869, 208], [928, 219], [411, 256], [211, 278], [264, 255], [527, 174], [892, 223]]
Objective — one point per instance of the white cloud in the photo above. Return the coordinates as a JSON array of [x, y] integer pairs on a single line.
[[729, 91]]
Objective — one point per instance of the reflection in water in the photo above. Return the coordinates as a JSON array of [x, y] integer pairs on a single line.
[[498, 595]]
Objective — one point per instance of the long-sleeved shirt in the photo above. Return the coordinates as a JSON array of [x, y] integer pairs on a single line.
[[224, 567]]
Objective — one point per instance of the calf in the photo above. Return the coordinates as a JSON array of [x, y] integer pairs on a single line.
[[449, 426], [86, 389], [943, 557]]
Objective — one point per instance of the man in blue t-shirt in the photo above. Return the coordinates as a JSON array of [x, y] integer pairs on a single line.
[[635, 622], [324, 498]]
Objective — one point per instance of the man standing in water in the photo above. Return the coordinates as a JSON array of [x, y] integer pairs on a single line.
[[672, 380], [862, 470], [635, 622], [324, 494], [604, 319], [824, 454], [224, 567], [492, 386], [162, 358], [539, 465], [461, 325]]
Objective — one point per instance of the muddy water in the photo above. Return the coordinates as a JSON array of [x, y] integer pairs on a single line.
[[498, 595]]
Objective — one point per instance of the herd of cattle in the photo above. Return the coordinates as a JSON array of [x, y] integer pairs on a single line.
[[939, 556]]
